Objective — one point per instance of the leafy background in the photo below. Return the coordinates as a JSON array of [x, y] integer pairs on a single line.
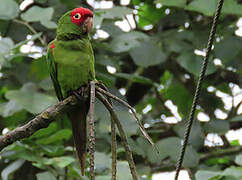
[[149, 51]]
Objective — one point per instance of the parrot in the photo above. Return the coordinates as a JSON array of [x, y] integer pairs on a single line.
[[70, 59]]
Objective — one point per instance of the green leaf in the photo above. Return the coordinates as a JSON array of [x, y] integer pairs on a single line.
[[217, 126], [207, 7], [53, 150], [11, 168], [123, 171], [237, 118], [129, 124], [115, 12], [35, 14], [191, 158], [143, 169], [46, 131], [61, 161], [49, 24], [102, 161], [148, 54], [98, 20], [232, 7], [178, 94], [46, 176], [135, 147], [235, 142], [41, 1], [25, 154], [111, 29], [58, 136], [9, 9], [196, 138], [166, 79], [234, 172], [46, 84], [127, 41], [30, 99], [135, 78], [205, 175], [105, 177], [148, 14], [172, 3], [167, 147], [6, 44], [217, 161], [238, 159], [193, 63], [9, 108], [227, 45], [33, 37]]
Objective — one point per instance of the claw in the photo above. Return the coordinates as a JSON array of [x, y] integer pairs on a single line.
[[78, 96]]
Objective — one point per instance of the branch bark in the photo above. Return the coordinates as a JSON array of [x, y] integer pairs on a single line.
[[167, 165], [40, 121], [220, 153]]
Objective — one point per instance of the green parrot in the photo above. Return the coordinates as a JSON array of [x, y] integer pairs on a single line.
[[71, 63]]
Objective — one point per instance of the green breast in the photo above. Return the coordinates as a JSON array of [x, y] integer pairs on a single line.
[[75, 63]]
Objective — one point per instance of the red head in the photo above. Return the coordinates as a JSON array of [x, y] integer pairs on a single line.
[[82, 17], [79, 15]]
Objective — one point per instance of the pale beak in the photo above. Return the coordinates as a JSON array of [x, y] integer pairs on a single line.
[[87, 24]]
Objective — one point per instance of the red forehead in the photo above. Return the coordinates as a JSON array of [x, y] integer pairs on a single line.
[[82, 11]]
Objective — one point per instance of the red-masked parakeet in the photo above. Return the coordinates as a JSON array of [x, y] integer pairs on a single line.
[[71, 62]]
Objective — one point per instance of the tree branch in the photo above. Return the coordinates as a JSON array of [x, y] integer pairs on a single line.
[[40, 121], [167, 165], [220, 153]]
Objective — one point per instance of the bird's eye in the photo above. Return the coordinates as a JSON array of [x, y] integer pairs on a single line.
[[77, 16]]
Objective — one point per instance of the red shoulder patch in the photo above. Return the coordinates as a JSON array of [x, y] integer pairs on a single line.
[[52, 46]]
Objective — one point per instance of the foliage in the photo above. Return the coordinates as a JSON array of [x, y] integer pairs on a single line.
[[157, 61]]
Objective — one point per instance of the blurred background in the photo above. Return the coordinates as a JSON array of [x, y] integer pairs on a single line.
[[148, 53]]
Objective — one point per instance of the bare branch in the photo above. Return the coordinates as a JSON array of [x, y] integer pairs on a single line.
[[31, 29], [40, 121], [113, 137], [220, 153], [114, 148], [142, 129], [92, 130], [122, 135]]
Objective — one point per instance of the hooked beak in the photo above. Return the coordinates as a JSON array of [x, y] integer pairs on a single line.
[[87, 24]]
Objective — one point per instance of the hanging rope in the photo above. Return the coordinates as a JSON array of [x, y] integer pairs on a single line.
[[197, 93]]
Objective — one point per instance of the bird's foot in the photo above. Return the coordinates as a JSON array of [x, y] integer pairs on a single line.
[[78, 95]]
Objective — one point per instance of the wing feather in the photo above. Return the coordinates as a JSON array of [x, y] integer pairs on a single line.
[[53, 66]]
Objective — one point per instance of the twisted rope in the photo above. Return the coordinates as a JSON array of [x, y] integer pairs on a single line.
[[199, 85]]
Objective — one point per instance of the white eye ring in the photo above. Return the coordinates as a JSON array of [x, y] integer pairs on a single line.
[[77, 16]]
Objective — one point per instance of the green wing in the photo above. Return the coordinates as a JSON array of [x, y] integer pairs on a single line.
[[53, 66]]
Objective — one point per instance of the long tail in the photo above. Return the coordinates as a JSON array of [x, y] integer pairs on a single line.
[[78, 117]]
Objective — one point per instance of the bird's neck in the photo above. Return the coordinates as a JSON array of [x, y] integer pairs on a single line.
[[70, 36]]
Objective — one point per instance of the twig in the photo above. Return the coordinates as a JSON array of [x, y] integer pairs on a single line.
[[113, 137], [220, 153], [92, 130], [167, 165], [130, 26], [39, 122], [31, 29], [133, 112], [122, 135], [114, 148]]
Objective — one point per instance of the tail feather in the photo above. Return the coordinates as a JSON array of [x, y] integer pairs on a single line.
[[79, 129]]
